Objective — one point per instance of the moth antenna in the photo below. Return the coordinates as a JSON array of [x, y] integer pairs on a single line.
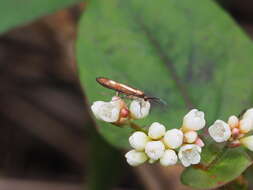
[[158, 100]]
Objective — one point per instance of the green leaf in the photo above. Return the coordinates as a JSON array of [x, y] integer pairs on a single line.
[[182, 53], [228, 167], [239, 183], [15, 12], [189, 53]]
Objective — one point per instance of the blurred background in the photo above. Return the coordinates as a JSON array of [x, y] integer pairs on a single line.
[[44, 143]]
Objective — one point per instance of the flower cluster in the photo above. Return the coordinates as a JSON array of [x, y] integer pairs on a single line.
[[117, 112], [235, 130], [167, 147]]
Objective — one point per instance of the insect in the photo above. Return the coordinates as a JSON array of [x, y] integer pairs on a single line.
[[125, 89]]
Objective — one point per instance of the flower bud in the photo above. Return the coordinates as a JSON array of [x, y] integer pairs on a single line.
[[169, 158], [220, 131], [233, 121], [190, 136], [246, 125], [247, 142], [235, 133], [154, 149], [124, 112], [138, 140], [139, 108], [194, 120], [135, 158], [189, 154], [106, 111], [156, 130], [199, 142], [173, 138]]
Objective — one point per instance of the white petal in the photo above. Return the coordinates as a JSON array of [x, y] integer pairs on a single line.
[[220, 131], [189, 154], [248, 142], [185, 162], [246, 124], [116, 100], [154, 149], [173, 138], [233, 121], [139, 108], [138, 140], [169, 158], [156, 130], [196, 159], [106, 111], [194, 120], [248, 113], [95, 108], [190, 136], [135, 158]]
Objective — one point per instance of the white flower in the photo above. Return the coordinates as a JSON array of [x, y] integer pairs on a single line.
[[156, 130], [135, 158], [248, 142], [154, 149], [189, 154], [138, 140], [190, 136], [194, 120], [173, 138], [233, 121], [169, 158], [246, 124], [107, 111], [248, 113], [139, 108], [220, 131]]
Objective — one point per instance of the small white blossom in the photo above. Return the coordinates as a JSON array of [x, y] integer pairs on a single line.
[[156, 130], [138, 140], [135, 158], [194, 120], [235, 133], [106, 111], [173, 138], [248, 142], [220, 131], [189, 154], [190, 136], [169, 158], [139, 108], [248, 113], [233, 121], [154, 149], [246, 125]]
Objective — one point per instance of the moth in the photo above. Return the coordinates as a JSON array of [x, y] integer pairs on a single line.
[[129, 91]]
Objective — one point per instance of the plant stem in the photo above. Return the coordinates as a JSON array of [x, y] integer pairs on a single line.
[[219, 155], [136, 127]]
